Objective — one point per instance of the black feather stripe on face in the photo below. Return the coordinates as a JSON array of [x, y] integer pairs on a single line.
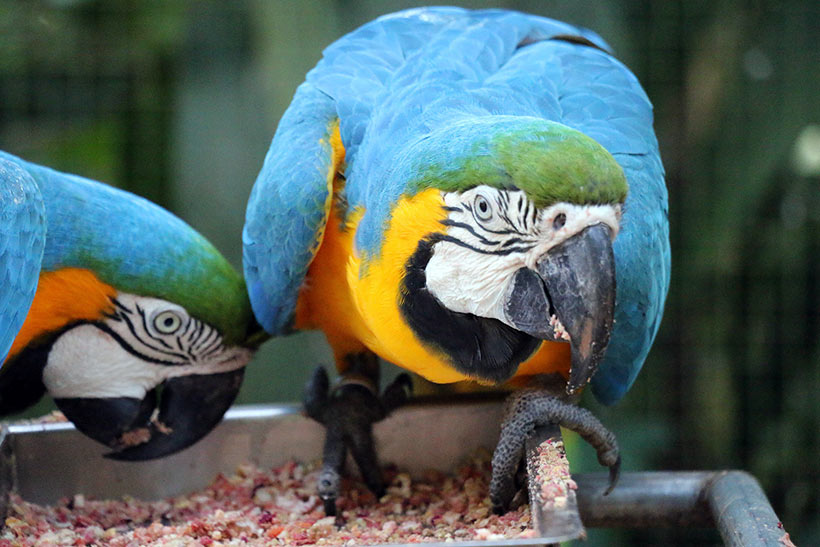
[[478, 347], [192, 342], [506, 251], [513, 236]]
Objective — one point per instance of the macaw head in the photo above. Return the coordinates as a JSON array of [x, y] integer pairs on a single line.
[[139, 328], [524, 248]]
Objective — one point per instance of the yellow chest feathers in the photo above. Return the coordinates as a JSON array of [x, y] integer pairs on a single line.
[[360, 309]]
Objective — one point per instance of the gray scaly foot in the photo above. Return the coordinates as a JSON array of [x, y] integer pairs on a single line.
[[528, 409], [348, 411]]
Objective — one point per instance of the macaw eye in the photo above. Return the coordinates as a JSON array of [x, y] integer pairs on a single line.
[[559, 221], [167, 322], [483, 209]]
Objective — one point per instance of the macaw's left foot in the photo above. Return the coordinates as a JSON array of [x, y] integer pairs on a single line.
[[531, 408], [348, 411]]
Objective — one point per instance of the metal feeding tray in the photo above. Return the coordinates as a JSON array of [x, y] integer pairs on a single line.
[[45, 462]]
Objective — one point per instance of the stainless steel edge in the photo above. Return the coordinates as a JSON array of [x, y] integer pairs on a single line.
[[44, 462], [742, 512], [53, 460], [644, 500]]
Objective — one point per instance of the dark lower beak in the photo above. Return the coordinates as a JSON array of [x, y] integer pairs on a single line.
[[575, 284], [189, 407]]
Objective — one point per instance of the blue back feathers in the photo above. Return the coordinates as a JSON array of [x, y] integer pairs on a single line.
[[396, 80], [137, 247]]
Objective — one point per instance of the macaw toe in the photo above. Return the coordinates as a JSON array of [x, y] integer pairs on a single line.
[[348, 411], [529, 409]]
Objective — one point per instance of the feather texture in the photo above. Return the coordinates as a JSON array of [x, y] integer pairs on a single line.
[[399, 83], [135, 246], [22, 239]]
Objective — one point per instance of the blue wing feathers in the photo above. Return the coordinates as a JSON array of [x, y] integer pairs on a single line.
[[404, 75], [22, 240], [287, 209]]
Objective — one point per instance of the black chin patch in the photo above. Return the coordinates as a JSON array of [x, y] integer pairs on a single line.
[[478, 347], [21, 378]]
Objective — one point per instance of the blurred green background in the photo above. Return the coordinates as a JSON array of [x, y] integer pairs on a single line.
[[177, 101]]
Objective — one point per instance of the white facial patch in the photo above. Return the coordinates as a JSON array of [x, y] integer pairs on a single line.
[[145, 342], [490, 234], [552, 230]]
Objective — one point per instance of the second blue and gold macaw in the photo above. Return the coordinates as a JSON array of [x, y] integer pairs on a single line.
[[471, 196], [133, 322]]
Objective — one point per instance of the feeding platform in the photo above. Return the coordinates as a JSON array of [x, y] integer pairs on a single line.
[[44, 462]]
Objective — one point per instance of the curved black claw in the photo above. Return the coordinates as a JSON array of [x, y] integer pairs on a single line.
[[529, 409], [614, 474], [348, 412]]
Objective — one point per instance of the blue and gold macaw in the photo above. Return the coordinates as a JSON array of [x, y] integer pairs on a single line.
[[471, 195], [133, 322]]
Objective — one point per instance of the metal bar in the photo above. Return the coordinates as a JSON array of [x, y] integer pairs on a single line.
[[644, 500], [742, 512], [554, 522], [732, 501]]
